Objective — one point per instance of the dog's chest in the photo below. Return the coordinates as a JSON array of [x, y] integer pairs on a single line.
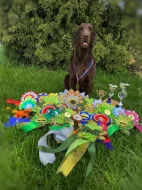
[[82, 71]]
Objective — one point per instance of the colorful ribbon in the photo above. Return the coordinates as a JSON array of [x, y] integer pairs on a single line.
[[71, 160], [78, 78], [14, 121], [92, 153], [46, 157], [15, 102], [28, 127], [58, 127], [112, 129]]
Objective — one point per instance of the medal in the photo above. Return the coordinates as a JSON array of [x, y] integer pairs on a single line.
[[77, 86]]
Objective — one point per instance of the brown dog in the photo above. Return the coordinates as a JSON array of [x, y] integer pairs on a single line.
[[82, 67]]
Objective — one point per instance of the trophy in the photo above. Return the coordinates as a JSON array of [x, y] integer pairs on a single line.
[[112, 88], [122, 94], [101, 94]]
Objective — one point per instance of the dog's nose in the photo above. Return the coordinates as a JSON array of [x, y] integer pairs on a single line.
[[86, 35]]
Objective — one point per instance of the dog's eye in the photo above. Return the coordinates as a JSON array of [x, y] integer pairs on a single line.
[[81, 28], [90, 28]]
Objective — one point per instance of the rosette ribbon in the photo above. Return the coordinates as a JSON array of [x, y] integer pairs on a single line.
[[104, 121], [122, 123], [135, 119], [36, 122]]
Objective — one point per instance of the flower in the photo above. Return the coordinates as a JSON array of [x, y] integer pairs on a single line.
[[46, 109], [93, 126], [69, 111], [29, 95], [72, 102], [27, 104], [67, 114], [71, 92], [54, 100], [132, 115], [41, 96], [89, 108], [118, 111], [97, 102], [105, 108], [107, 112], [124, 122], [87, 136], [72, 99]]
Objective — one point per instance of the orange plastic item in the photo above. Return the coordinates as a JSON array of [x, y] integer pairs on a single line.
[[23, 113]]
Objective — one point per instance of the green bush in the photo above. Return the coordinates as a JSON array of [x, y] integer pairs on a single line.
[[41, 32]]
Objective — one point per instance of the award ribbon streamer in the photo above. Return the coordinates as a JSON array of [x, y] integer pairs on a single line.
[[61, 148], [112, 129], [14, 121], [30, 126], [75, 144], [58, 127], [92, 152], [45, 157], [71, 160]]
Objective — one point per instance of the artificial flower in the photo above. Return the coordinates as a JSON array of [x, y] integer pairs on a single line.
[[29, 95], [93, 125], [72, 102], [96, 102], [118, 111], [46, 109], [54, 100], [28, 103], [124, 122], [132, 115], [105, 108], [67, 114], [89, 108], [41, 96], [87, 136], [85, 116]]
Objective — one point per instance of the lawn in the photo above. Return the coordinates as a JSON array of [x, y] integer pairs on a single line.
[[20, 168]]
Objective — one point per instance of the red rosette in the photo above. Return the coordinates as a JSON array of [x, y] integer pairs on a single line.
[[102, 118], [45, 109]]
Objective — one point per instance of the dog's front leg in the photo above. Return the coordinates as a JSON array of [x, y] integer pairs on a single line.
[[86, 86], [72, 83]]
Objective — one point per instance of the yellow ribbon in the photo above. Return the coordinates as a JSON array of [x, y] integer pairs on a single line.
[[70, 161]]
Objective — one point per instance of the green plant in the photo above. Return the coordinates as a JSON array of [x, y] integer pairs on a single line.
[[41, 32]]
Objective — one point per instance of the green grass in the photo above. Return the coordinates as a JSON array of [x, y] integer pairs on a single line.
[[20, 168]]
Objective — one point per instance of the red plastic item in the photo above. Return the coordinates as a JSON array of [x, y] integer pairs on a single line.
[[15, 102]]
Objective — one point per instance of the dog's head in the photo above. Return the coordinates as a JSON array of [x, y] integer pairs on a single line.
[[84, 36]]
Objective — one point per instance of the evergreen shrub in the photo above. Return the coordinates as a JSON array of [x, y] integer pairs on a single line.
[[40, 32]]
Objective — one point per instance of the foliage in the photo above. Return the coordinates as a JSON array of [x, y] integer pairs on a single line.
[[40, 32]]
